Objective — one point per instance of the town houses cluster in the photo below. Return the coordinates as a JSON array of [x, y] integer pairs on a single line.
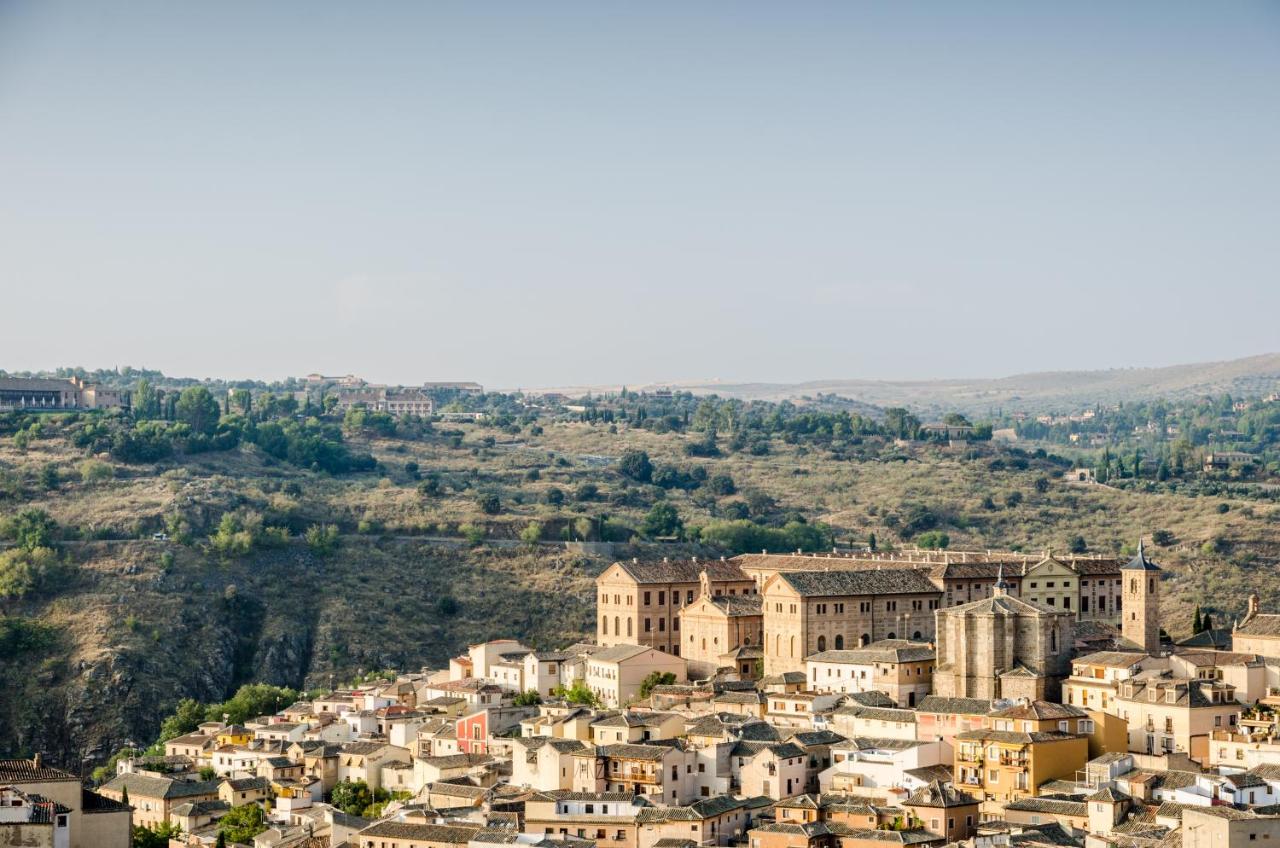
[[767, 701]]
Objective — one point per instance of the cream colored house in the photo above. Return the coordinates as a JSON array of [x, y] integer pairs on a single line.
[[1176, 715], [901, 669], [96, 820], [544, 763], [614, 674]]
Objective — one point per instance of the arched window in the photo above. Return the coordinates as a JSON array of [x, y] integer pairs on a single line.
[[892, 635], [1151, 584], [617, 631], [1053, 641], [839, 641], [1133, 585], [777, 645], [864, 640], [746, 640], [916, 635], [822, 644], [628, 625], [792, 647]]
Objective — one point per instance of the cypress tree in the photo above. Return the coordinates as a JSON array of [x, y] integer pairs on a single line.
[[1208, 621], [1197, 625]]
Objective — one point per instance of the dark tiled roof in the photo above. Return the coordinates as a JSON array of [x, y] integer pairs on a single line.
[[456, 834], [92, 802], [1052, 806], [885, 651], [890, 581], [684, 571], [737, 605], [938, 794], [958, 706], [141, 786], [1041, 711], [27, 771], [1261, 624]]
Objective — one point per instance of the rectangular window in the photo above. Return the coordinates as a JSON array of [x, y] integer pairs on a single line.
[[646, 599]]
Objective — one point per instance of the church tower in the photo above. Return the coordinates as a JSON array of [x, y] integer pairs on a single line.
[[1141, 602]]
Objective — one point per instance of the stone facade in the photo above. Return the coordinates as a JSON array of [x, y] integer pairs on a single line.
[[1141, 624], [1002, 647], [808, 612], [639, 603], [714, 626]]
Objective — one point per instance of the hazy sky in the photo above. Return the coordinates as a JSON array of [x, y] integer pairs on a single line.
[[542, 193]]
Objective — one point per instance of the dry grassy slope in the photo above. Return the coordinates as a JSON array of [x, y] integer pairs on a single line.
[[136, 637]]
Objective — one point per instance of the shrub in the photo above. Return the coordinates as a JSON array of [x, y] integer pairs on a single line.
[[322, 538], [636, 465], [531, 533], [472, 533], [489, 503], [933, 540]]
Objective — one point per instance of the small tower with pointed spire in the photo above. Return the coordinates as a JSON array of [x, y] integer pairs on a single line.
[[1001, 587], [1140, 597]]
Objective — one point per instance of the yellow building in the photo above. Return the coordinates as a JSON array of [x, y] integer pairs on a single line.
[[1001, 766]]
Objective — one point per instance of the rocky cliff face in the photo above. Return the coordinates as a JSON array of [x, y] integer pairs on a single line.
[[132, 636]]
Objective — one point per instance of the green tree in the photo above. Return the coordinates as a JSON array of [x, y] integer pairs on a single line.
[[489, 503], [186, 717], [24, 571], [528, 698], [1208, 621], [871, 542], [1078, 545], [198, 410], [221, 841], [251, 700], [31, 528], [655, 678], [241, 824], [146, 403], [1197, 624], [49, 478], [242, 399], [662, 520], [351, 796], [322, 538], [531, 533], [933, 540], [636, 465], [578, 693], [157, 836]]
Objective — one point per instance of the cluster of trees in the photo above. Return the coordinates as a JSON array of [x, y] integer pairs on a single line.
[[32, 564], [356, 799], [744, 536], [1169, 438], [192, 421]]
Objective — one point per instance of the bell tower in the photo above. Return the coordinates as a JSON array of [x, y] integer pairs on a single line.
[[1141, 602]]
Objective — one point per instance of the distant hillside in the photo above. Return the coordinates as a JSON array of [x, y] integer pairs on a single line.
[[1045, 391]]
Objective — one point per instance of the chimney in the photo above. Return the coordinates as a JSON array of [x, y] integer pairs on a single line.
[[35, 760], [1253, 606]]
